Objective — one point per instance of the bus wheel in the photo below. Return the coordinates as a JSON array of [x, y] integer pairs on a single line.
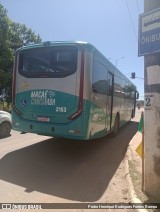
[[132, 114], [116, 125]]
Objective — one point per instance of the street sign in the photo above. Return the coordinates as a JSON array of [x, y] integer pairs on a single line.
[[149, 33]]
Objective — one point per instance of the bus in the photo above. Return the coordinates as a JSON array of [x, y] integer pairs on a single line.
[[69, 90]]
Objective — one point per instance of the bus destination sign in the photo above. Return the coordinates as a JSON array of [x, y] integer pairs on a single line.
[[149, 33]]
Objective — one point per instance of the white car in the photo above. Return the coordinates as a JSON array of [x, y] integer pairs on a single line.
[[5, 124]]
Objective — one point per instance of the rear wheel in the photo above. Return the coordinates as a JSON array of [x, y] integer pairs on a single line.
[[116, 125], [5, 129], [132, 114]]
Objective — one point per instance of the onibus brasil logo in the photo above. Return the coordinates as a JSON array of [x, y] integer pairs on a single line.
[[43, 97]]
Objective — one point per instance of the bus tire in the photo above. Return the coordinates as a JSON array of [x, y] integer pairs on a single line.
[[116, 125], [132, 114]]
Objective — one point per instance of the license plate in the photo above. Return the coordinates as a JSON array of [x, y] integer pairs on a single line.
[[44, 119]]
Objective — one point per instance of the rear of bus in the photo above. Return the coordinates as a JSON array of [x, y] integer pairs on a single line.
[[48, 90]]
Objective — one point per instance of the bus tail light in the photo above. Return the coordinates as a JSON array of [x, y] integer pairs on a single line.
[[14, 85], [14, 81], [80, 105]]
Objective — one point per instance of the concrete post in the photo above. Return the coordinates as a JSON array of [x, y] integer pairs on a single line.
[[152, 117]]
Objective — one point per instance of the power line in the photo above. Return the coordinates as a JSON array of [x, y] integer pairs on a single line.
[[131, 20]]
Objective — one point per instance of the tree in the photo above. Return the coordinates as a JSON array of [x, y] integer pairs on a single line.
[[21, 35], [12, 36], [6, 53]]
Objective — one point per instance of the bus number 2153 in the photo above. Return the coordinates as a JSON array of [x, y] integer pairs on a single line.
[[61, 109]]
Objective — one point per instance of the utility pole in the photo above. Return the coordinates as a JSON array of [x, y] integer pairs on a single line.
[[152, 113]]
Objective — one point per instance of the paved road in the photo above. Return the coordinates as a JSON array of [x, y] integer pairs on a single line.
[[42, 169]]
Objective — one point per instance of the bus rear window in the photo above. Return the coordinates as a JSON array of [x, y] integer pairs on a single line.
[[54, 62]]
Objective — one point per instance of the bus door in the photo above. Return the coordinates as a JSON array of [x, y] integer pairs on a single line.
[[109, 105]]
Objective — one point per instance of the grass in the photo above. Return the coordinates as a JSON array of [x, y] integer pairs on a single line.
[[136, 178]]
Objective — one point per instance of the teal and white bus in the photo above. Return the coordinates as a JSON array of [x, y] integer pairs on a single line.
[[69, 90]]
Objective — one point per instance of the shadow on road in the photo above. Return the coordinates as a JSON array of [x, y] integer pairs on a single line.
[[74, 170]]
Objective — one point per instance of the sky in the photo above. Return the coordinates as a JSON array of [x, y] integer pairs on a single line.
[[110, 25]]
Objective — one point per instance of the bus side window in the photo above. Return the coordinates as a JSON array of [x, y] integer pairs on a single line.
[[99, 79]]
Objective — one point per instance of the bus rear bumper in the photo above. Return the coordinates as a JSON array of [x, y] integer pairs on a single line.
[[73, 130]]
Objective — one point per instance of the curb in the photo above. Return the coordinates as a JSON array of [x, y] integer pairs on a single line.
[[132, 193]]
